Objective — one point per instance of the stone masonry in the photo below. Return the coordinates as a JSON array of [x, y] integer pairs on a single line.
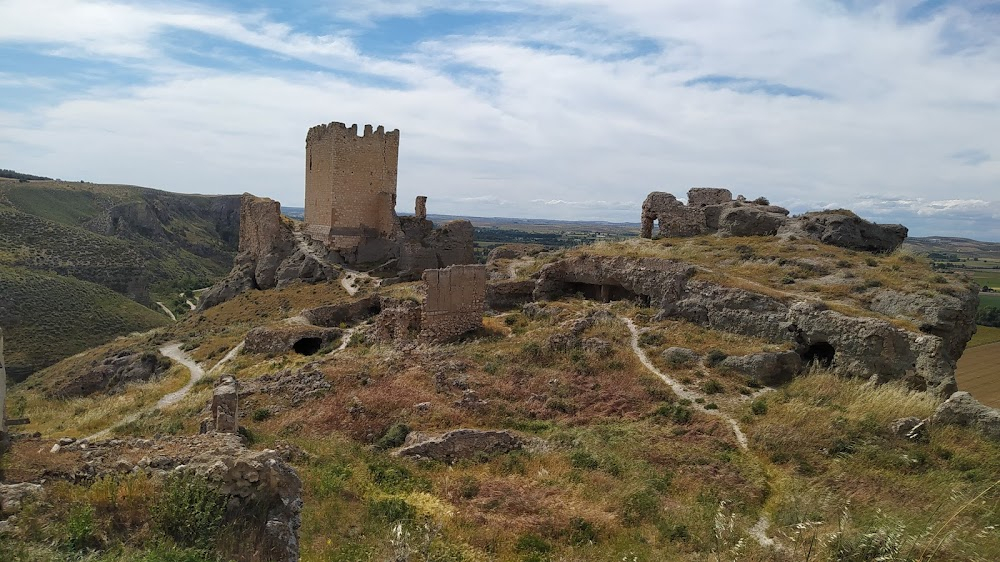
[[225, 405], [351, 187], [455, 302]]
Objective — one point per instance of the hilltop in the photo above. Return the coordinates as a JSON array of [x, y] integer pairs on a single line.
[[664, 399], [72, 252]]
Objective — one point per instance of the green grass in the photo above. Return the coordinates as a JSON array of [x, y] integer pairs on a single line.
[[989, 278], [985, 335], [47, 317], [989, 299]]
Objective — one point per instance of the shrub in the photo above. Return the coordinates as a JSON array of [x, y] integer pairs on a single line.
[[714, 357], [393, 437], [391, 510], [80, 528], [640, 506], [758, 407], [988, 316], [532, 544], [711, 387], [468, 487], [581, 532], [650, 339], [190, 511], [261, 414]]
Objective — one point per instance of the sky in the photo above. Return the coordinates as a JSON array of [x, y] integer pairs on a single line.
[[563, 109]]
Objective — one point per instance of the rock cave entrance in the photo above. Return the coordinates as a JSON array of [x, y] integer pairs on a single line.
[[819, 352], [605, 292], [307, 346]]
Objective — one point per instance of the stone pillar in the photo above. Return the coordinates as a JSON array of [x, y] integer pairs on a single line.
[[421, 207], [225, 406]]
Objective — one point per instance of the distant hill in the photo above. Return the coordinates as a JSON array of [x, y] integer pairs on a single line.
[[106, 245], [961, 247], [11, 174]]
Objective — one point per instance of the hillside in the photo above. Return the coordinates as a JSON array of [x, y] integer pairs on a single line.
[[641, 434], [143, 244], [47, 317]]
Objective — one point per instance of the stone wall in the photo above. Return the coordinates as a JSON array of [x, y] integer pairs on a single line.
[[351, 185], [225, 406], [455, 302]]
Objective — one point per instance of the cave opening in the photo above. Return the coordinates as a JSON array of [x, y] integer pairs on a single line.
[[820, 352], [307, 346], [605, 292]]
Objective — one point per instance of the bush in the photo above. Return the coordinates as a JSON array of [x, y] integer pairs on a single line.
[[80, 528], [639, 507], [532, 544], [711, 387], [758, 407], [581, 532], [391, 510], [583, 460], [393, 437], [714, 357], [261, 414], [988, 316], [190, 511]]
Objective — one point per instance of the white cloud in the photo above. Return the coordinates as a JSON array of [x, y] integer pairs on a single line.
[[560, 118]]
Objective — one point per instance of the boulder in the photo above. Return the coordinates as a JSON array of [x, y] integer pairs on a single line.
[[460, 444], [703, 196], [845, 229], [913, 429], [112, 374], [963, 410], [332, 316], [949, 317], [766, 368], [12, 496], [750, 221]]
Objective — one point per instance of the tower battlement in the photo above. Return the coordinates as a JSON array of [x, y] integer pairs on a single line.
[[342, 131]]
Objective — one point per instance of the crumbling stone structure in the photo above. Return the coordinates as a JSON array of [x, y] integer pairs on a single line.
[[225, 406], [713, 210], [351, 201], [455, 302], [351, 188]]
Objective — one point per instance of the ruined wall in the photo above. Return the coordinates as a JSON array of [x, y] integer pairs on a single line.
[[455, 302], [225, 407], [351, 184], [261, 232]]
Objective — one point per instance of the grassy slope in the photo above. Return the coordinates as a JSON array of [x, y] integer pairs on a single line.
[[46, 317], [53, 229]]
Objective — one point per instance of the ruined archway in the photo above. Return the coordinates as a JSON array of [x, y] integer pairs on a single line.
[[820, 353], [307, 346]]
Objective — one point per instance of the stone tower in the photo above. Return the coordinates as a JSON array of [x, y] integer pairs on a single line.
[[351, 189]]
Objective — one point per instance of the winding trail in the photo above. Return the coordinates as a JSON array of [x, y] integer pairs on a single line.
[[167, 311], [678, 388], [172, 351]]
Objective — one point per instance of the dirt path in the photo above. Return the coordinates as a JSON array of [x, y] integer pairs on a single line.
[[167, 311], [679, 388], [174, 352]]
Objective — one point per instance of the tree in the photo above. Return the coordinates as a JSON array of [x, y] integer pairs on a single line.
[[989, 316]]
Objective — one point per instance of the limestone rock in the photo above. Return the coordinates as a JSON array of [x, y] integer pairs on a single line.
[[847, 230], [513, 251], [913, 429], [703, 196], [766, 368], [750, 221], [506, 295], [460, 444], [111, 374], [334, 315], [12, 496], [950, 317], [964, 410], [305, 340]]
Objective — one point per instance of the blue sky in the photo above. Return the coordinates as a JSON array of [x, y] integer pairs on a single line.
[[568, 109]]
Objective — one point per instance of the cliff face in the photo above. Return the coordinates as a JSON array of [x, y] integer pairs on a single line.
[[859, 345]]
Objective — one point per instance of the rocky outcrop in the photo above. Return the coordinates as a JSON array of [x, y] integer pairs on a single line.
[[852, 346], [331, 316], [714, 210], [225, 415], [949, 317], [13, 496], [513, 251], [460, 444], [112, 374], [259, 482], [271, 254], [302, 339], [963, 410], [845, 229], [506, 295], [770, 368]]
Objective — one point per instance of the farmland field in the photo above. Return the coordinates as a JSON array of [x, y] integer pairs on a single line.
[[979, 373], [989, 299]]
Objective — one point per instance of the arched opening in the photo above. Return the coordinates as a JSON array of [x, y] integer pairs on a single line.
[[307, 346], [819, 352]]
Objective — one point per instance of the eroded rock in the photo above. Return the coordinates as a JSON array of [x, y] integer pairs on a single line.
[[846, 230], [963, 410], [460, 444]]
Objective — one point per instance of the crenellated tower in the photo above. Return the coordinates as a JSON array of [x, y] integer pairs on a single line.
[[351, 188]]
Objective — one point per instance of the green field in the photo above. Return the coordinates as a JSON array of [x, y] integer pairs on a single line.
[[990, 278], [985, 335], [989, 299]]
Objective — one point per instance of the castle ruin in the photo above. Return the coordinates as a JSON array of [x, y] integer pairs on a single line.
[[351, 201], [455, 302]]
